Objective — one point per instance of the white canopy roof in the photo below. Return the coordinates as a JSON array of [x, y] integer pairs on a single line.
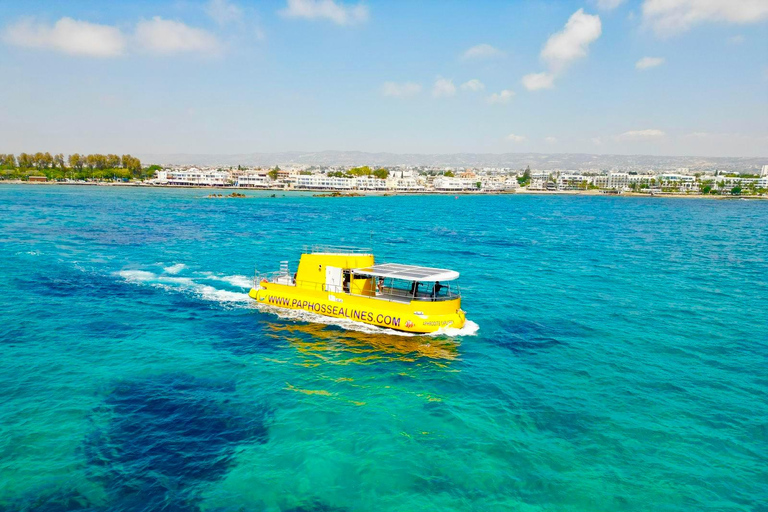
[[408, 272]]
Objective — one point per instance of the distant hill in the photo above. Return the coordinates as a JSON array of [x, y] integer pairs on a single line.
[[513, 160]]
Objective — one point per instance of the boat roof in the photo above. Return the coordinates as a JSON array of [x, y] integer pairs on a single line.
[[408, 272]]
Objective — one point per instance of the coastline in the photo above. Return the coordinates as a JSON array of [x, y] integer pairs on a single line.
[[381, 193]]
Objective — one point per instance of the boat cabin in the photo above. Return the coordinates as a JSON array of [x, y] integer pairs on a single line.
[[355, 273]]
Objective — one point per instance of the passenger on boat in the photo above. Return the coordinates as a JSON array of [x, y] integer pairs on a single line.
[[415, 288], [380, 286], [437, 288]]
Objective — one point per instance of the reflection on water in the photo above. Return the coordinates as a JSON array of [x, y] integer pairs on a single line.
[[330, 344]]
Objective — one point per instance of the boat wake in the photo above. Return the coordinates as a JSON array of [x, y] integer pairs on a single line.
[[232, 291], [205, 285]]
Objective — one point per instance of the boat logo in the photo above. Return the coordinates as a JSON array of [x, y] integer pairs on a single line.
[[408, 323]]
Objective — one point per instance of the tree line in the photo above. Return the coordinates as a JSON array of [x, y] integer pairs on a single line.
[[75, 166], [361, 171]]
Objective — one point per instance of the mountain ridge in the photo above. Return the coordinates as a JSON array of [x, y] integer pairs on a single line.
[[543, 161]]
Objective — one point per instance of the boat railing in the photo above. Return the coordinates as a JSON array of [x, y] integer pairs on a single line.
[[336, 249]]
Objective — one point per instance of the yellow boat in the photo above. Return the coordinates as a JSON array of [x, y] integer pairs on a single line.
[[347, 283]]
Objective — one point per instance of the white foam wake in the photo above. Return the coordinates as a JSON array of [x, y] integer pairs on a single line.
[[175, 269], [196, 284], [234, 280], [201, 284]]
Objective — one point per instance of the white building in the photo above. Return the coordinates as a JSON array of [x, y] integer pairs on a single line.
[[193, 177], [252, 181], [322, 182], [497, 183], [447, 183], [404, 185], [764, 171], [401, 173], [370, 183], [572, 182]]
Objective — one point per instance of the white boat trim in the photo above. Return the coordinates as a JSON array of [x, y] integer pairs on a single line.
[[408, 272]]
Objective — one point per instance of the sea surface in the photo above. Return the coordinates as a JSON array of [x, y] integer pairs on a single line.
[[616, 358]]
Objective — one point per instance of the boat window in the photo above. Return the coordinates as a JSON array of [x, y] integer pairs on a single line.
[[418, 290]]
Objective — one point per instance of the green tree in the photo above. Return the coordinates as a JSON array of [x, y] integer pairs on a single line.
[[736, 190], [449, 174], [525, 179], [25, 161], [360, 171], [76, 161], [90, 162], [8, 161], [113, 161], [131, 163], [273, 173], [381, 173]]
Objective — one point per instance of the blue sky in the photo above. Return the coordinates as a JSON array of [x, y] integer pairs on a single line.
[[665, 77]]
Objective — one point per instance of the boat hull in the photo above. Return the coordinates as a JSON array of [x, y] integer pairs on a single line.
[[415, 316]]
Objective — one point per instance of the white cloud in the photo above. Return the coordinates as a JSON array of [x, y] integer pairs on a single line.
[[481, 52], [573, 41], [515, 138], [669, 17], [737, 39], [443, 88], [473, 85], [69, 36], [223, 12], [536, 81], [608, 5], [338, 13], [597, 141], [564, 47], [550, 140], [504, 96], [640, 135], [649, 62], [403, 90], [169, 37]]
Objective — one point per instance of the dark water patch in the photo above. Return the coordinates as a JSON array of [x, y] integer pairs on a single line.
[[528, 336], [314, 506], [190, 305], [528, 345], [109, 328], [165, 436], [557, 328], [50, 501], [503, 243], [239, 332], [565, 424], [74, 282], [10, 333]]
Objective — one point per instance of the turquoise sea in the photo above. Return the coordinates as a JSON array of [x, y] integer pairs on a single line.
[[619, 363]]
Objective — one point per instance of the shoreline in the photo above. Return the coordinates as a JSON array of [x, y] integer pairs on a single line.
[[381, 193]]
